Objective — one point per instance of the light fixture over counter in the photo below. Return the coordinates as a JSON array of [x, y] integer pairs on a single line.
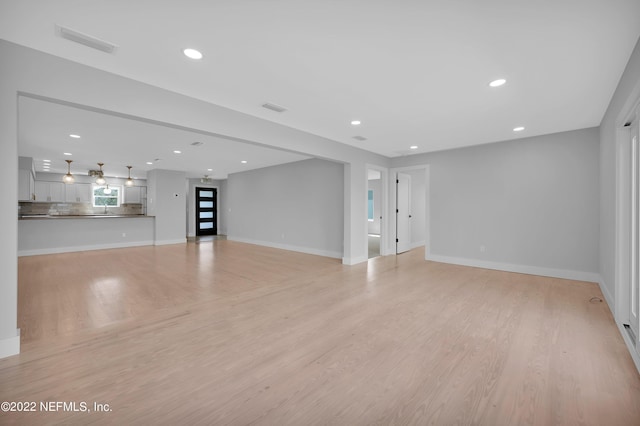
[[129, 181], [100, 180], [68, 178]]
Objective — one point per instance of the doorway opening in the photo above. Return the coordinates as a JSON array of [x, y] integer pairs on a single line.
[[403, 212], [206, 211], [375, 209]]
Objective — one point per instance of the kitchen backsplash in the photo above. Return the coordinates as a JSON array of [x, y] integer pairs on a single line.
[[75, 209]]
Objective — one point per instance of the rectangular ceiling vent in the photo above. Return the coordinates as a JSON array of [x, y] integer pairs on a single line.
[[85, 39], [360, 138], [274, 107]]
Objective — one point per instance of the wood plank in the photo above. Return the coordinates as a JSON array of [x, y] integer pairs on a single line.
[[221, 332]]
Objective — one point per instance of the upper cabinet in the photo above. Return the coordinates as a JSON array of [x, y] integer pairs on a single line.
[[132, 195], [78, 193], [50, 191], [26, 179]]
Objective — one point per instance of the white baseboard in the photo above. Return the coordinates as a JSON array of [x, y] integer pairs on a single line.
[[307, 250], [625, 335], [417, 244], [630, 345], [354, 260], [10, 346], [522, 269], [72, 249], [167, 242], [607, 296]]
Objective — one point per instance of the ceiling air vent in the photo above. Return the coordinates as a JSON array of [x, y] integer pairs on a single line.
[[197, 143], [274, 107], [360, 138], [85, 39]]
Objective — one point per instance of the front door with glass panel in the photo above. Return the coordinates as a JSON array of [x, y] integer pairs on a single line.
[[206, 211]]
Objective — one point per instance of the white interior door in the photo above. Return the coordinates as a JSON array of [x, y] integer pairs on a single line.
[[403, 212], [634, 272]]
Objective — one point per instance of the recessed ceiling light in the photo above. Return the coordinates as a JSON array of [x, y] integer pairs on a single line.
[[244, 161], [177, 152], [74, 136], [355, 122], [497, 83], [209, 170], [413, 147], [46, 161], [192, 53], [68, 153], [149, 162], [518, 129]]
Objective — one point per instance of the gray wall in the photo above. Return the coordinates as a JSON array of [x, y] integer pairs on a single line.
[[166, 190], [627, 92], [531, 202], [418, 210], [296, 206], [376, 186]]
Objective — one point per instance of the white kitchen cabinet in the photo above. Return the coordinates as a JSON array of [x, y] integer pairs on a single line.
[[26, 179], [132, 195], [26, 185], [78, 193], [50, 191]]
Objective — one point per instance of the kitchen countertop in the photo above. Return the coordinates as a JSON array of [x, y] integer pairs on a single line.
[[86, 216]]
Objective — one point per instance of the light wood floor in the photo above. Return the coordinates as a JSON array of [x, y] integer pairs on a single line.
[[223, 333]]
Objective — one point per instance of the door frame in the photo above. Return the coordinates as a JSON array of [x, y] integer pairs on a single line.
[[384, 208], [400, 245], [215, 209], [427, 199], [620, 304]]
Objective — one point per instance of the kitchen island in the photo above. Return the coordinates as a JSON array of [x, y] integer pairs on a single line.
[[47, 234]]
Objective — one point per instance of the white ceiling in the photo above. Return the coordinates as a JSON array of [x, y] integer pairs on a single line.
[[415, 72], [44, 129]]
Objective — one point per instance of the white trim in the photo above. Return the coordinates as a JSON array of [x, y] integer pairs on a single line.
[[625, 335], [607, 296], [427, 208], [350, 261], [289, 247], [385, 237], [10, 346], [71, 249], [522, 269], [167, 242], [635, 356]]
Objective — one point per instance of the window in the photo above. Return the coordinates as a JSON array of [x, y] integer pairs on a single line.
[[102, 199], [370, 206]]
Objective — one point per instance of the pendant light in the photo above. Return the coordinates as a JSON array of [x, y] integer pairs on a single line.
[[129, 181], [68, 178], [107, 190], [101, 180]]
